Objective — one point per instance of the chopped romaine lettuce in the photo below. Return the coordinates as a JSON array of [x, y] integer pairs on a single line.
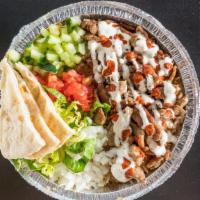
[[69, 111], [45, 166], [74, 165], [80, 148], [84, 150], [18, 163]]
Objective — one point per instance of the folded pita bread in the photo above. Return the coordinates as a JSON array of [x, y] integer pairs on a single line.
[[57, 125], [52, 142], [18, 136]]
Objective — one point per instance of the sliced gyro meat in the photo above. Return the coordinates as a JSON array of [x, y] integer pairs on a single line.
[[154, 163], [90, 26], [137, 154], [102, 93], [99, 117], [138, 135]]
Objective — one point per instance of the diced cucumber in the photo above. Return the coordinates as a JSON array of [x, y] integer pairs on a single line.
[[81, 48], [58, 64], [76, 59], [29, 47], [58, 48], [75, 21], [54, 29], [75, 36], [64, 30], [65, 57], [41, 40], [80, 31], [26, 59], [13, 55], [51, 56], [40, 71], [69, 47], [36, 54], [42, 47], [66, 37], [53, 40], [44, 32]]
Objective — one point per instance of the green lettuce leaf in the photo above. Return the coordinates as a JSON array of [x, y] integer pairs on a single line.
[[69, 112], [75, 165], [56, 93], [46, 165], [49, 68], [18, 163], [77, 145], [84, 149]]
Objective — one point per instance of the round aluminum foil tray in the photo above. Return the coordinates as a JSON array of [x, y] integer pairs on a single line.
[[131, 15]]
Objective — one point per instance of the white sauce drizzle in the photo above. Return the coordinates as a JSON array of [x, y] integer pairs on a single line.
[[142, 86], [170, 124], [155, 148], [121, 124], [107, 29], [170, 92], [116, 169], [143, 115], [147, 99], [93, 45], [118, 47], [163, 71], [171, 138], [115, 53], [138, 67], [150, 82], [148, 53]]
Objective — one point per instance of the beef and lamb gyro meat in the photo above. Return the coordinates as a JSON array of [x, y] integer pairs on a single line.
[[109, 101]]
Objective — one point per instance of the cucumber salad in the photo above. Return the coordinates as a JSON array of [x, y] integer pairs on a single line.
[[105, 104]]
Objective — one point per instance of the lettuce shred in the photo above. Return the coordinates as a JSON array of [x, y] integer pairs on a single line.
[[77, 152]]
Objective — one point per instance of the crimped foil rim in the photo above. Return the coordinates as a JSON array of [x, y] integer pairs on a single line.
[[188, 73]]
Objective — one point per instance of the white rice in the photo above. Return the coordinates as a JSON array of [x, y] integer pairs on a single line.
[[94, 176]]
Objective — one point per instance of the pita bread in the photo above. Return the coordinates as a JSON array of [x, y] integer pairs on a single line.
[[52, 142], [18, 136], [57, 125]]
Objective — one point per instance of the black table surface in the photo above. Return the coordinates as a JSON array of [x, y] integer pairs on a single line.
[[182, 17]]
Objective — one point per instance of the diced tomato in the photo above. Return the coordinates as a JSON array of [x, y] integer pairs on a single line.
[[53, 98], [72, 85], [75, 89], [71, 76], [54, 82], [51, 77], [40, 79]]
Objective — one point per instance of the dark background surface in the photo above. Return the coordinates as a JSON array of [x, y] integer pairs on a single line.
[[182, 17]]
